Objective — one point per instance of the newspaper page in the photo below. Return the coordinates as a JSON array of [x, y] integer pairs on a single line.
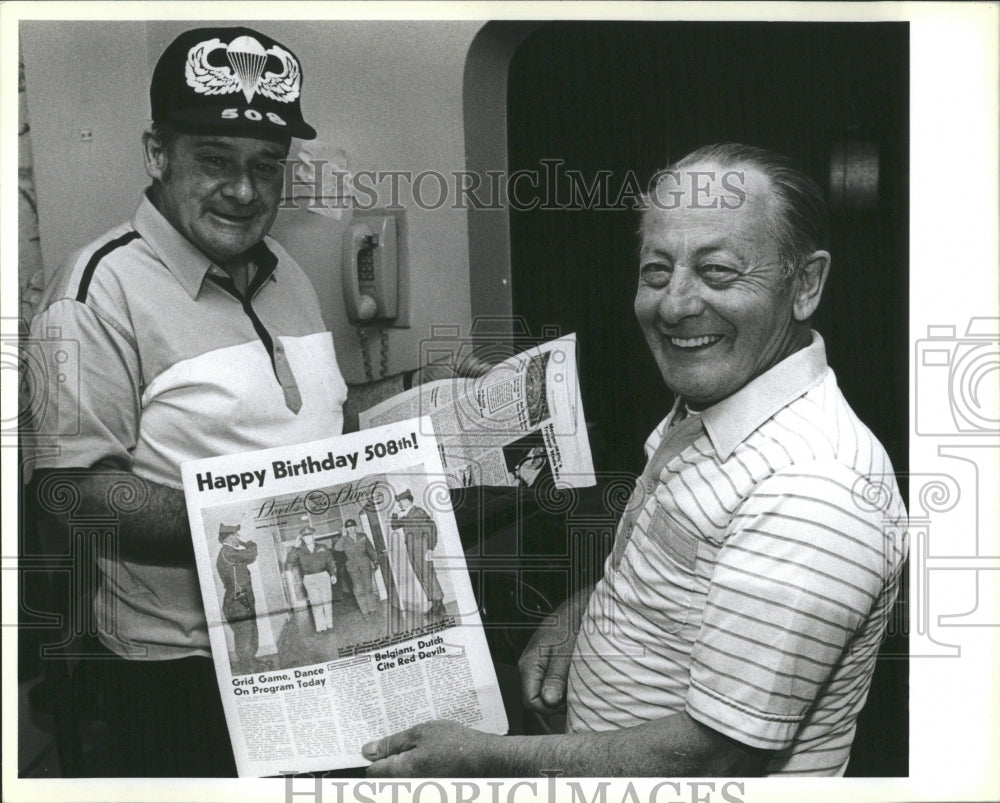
[[339, 605], [521, 424]]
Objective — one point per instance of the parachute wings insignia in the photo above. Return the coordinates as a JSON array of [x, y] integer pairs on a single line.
[[204, 78], [247, 59], [283, 86]]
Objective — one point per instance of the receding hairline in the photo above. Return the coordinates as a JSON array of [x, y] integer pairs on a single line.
[[772, 201], [796, 211]]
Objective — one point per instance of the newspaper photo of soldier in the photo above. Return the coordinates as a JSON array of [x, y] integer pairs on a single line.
[[528, 461], [357, 562], [238, 602], [305, 578], [413, 539], [275, 575], [318, 571], [536, 397], [339, 603]]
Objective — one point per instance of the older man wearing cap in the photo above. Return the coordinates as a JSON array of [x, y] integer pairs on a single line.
[[198, 336], [239, 606], [737, 623]]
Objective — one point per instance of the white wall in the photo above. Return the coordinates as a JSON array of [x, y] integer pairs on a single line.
[[388, 92], [84, 76]]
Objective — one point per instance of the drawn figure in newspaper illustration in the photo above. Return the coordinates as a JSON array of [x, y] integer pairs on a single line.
[[319, 573]]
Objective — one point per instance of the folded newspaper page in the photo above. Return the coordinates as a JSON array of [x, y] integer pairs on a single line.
[[521, 424], [338, 601]]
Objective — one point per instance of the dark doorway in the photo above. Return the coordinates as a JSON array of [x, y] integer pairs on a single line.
[[628, 98]]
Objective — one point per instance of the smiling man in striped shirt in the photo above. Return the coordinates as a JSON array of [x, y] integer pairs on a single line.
[[737, 624]]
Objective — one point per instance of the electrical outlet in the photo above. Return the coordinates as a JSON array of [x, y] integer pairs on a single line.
[[86, 135]]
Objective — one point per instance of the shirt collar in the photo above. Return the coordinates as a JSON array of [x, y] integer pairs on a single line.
[[188, 265], [730, 421]]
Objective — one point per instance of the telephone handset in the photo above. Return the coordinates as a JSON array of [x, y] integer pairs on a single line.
[[371, 270]]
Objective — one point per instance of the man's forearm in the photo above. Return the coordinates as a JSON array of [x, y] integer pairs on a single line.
[[675, 746], [152, 518]]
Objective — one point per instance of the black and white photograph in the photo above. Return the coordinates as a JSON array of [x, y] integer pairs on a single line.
[[536, 392], [308, 677], [772, 234], [528, 461], [301, 581]]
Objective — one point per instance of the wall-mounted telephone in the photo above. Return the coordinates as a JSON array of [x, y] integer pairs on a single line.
[[371, 270]]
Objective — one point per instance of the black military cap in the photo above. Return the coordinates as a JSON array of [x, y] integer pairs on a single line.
[[230, 81]]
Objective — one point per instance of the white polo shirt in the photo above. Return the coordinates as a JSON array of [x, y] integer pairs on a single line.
[[175, 365], [752, 580]]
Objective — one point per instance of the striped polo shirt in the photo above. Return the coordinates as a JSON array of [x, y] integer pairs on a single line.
[[752, 576], [174, 364]]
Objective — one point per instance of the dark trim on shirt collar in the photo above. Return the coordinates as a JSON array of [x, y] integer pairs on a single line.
[[187, 264], [730, 421], [265, 260]]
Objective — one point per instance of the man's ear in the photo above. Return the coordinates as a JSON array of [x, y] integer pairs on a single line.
[[155, 156], [809, 280]]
